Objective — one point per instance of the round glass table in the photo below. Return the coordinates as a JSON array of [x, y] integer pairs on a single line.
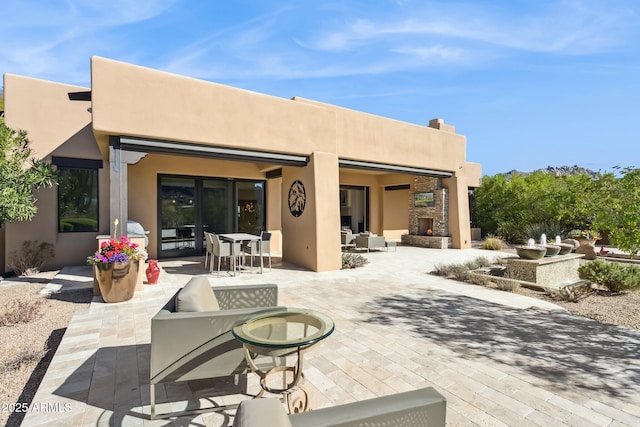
[[275, 335]]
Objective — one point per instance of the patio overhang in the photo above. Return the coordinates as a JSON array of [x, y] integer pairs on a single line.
[[129, 143], [381, 167]]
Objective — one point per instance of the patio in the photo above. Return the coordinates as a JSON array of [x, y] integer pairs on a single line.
[[498, 358]]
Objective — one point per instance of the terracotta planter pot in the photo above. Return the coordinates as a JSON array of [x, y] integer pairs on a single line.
[[117, 280]]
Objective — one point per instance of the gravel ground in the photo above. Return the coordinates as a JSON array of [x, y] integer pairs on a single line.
[[27, 348], [620, 309]]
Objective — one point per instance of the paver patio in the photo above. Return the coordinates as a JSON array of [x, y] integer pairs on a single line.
[[499, 359]]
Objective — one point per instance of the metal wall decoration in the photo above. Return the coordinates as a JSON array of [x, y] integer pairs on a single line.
[[297, 198]]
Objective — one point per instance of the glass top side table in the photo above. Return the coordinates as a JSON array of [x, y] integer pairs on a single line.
[[278, 334]]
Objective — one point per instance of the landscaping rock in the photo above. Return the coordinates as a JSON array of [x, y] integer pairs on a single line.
[[588, 251]]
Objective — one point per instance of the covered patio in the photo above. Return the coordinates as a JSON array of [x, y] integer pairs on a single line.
[[498, 358]]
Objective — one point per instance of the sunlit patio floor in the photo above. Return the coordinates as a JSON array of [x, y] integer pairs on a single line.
[[499, 358]]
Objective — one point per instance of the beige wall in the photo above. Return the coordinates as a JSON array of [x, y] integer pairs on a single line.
[[55, 127], [160, 105], [395, 213]]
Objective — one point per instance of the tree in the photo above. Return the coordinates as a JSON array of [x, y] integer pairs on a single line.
[[619, 210], [20, 175]]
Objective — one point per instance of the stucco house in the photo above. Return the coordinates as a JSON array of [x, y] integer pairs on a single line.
[[181, 156]]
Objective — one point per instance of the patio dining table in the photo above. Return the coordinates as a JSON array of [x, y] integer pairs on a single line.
[[241, 238]]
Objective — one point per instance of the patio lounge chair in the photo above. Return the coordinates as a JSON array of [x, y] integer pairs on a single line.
[[191, 335], [347, 239], [417, 408], [368, 242]]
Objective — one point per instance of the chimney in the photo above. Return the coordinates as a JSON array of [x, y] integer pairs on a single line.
[[441, 125]]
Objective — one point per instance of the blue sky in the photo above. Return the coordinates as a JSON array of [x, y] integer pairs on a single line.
[[530, 83]]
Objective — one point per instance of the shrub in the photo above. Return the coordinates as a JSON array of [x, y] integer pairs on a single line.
[[353, 261], [31, 257], [571, 293], [614, 276], [20, 310], [506, 284], [25, 357], [492, 243], [479, 279]]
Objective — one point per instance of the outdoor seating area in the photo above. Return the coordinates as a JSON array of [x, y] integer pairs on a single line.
[[364, 241], [231, 248], [393, 330]]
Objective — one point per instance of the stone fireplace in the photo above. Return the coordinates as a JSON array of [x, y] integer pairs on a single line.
[[433, 215]]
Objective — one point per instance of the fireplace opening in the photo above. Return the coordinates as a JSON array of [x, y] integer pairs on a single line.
[[425, 226]]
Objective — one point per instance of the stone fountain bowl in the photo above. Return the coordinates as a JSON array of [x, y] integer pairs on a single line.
[[531, 252], [552, 250], [565, 248]]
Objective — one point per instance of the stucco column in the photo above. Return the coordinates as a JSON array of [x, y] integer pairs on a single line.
[[459, 219], [311, 236], [118, 185]]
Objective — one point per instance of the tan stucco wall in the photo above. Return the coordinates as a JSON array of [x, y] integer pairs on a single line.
[[55, 127], [160, 105], [312, 240], [395, 213], [378, 139]]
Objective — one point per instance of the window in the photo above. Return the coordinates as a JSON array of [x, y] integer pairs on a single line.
[[77, 199]]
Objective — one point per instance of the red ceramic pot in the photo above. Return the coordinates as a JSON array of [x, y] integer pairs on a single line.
[[153, 272]]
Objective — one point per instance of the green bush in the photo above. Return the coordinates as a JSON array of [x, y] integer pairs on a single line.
[[31, 257], [615, 277], [353, 261]]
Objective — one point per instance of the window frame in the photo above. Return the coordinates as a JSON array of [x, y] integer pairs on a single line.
[[65, 163]]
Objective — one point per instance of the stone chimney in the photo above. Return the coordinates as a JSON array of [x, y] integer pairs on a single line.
[[441, 125]]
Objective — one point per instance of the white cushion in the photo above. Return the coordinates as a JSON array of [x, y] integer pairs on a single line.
[[197, 295], [261, 412]]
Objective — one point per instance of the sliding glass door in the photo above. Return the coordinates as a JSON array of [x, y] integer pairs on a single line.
[[190, 205]]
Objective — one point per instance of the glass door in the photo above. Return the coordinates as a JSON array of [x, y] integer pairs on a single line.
[[177, 216], [217, 205], [190, 205]]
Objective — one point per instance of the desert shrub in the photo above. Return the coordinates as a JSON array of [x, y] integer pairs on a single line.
[[20, 310], [31, 257], [474, 264], [492, 243], [443, 270], [571, 293], [614, 276], [353, 261], [479, 279], [551, 229], [506, 284], [25, 357]]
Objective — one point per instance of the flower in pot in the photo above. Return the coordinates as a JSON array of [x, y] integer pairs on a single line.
[[116, 266]]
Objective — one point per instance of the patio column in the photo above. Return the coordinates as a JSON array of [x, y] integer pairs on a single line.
[[459, 218], [311, 214], [118, 164]]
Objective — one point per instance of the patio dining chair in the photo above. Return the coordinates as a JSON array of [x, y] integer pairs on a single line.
[[208, 255], [253, 248], [220, 249]]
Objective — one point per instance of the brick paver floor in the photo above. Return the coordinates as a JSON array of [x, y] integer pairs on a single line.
[[499, 359]]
